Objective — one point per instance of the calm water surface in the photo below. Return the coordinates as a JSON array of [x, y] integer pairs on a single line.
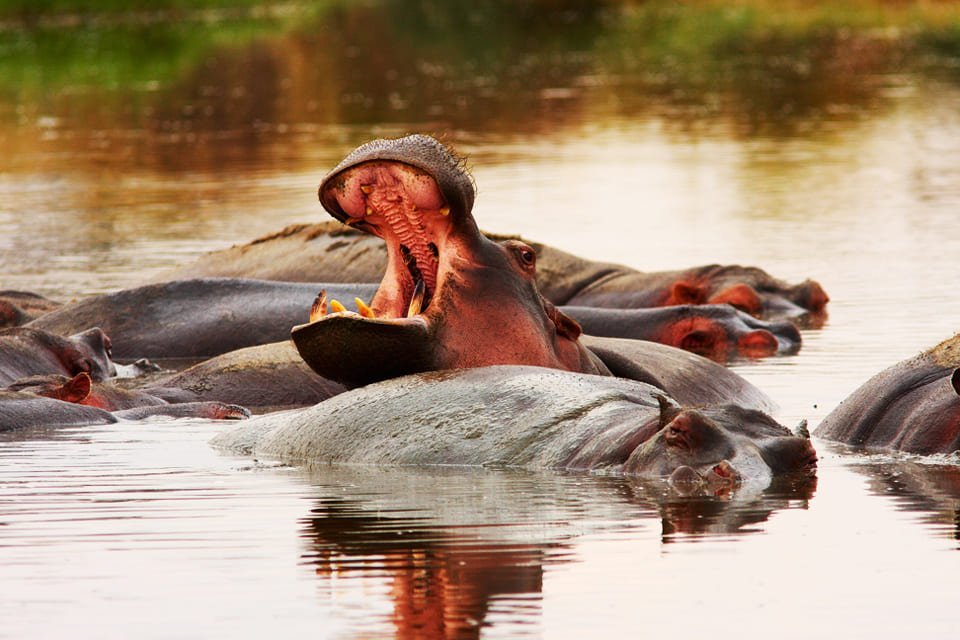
[[846, 173]]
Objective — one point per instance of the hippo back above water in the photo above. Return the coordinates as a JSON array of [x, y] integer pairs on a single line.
[[913, 406], [530, 417]]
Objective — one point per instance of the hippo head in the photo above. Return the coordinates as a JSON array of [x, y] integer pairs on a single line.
[[450, 297], [718, 447]]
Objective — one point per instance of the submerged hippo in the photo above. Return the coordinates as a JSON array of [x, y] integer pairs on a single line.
[[518, 416], [194, 318], [913, 406], [29, 351], [20, 410], [189, 319], [328, 252]]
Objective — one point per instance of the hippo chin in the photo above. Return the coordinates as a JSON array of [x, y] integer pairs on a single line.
[[530, 417], [414, 194]]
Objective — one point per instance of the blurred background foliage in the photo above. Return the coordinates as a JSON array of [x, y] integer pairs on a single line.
[[490, 65]]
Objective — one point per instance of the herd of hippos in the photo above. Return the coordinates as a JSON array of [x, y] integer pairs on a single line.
[[471, 350]]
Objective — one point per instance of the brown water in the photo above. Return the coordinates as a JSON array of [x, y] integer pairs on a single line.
[[841, 164]]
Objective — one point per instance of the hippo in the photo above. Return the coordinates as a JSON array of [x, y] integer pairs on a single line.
[[20, 307], [80, 389], [530, 417], [415, 195], [26, 351], [715, 331], [184, 319], [330, 252], [20, 410], [261, 378], [194, 318], [913, 406]]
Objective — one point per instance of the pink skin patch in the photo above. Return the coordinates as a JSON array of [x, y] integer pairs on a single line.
[[740, 296], [404, 206]]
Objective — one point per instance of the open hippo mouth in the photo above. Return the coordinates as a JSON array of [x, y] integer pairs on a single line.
[[450, 297], [415, 195]]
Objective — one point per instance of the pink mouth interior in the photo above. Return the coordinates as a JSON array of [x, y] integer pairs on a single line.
[[404, 206]]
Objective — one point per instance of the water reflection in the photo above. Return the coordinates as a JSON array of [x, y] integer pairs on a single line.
[[924, 488], [460, 547], [691, 518]]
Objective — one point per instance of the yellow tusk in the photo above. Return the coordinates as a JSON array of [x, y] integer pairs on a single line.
[[319, 307], [366, 188], [336, 307], [416, 302], [369, 211], [364, 310], [444, 211]]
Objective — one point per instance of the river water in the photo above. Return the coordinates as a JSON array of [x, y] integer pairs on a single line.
[[835, 157]]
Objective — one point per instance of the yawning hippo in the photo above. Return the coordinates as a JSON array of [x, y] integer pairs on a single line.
[[913, 406], [517, 416], [414, 194]]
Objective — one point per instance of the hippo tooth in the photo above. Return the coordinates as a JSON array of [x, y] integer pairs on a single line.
[[336, 307], [416, 302], [366, 188], [365, 311], [319, 307], [444, 211], [369, 210]]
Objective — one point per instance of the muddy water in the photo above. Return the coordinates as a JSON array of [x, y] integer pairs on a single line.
[[846, 173]]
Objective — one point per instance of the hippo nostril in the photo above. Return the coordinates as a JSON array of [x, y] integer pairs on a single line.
[[699, 341], [758, 343]]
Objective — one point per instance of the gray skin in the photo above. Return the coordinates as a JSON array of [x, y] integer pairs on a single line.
[[20, 411], [716, 331], [187, 319], [194, 318], [528, 417], [913, 406], [20, 307], [29, 351], [329, 252], [262, 378]]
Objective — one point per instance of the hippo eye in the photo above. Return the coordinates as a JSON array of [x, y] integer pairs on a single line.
[[527, 256]]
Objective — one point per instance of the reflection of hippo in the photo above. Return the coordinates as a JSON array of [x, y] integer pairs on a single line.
[[509, 416], [29, 352], [328, 252], [931, 490], [913, 406]]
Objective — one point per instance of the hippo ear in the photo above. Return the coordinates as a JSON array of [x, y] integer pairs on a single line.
[[955, 381], [567, 327], [668, 410], [76, 390]]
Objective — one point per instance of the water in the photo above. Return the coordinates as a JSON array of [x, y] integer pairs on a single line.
[[810, 156]]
